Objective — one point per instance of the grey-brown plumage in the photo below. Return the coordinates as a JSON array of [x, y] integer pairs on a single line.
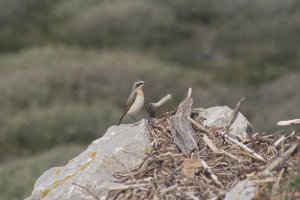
[[135, 101]]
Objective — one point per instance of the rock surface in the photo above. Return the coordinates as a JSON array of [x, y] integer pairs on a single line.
[[244, 190], [219, 116], [122, 147]]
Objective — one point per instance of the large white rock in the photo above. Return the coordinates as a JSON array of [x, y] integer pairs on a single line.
[[121, 147], [219, 116]]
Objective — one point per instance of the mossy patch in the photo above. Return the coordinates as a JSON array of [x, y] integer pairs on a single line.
[[296, 183]]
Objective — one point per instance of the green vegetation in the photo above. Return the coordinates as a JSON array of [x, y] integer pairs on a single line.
[[253, 40], [17, 177], [66, 68], [56, 95], [296, 183]]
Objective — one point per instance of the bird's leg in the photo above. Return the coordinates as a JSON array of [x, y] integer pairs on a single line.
[[134, 118], [136, 122]]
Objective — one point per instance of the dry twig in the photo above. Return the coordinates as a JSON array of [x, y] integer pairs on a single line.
[[281, 139], [213, 176], [126, 187], [235, 113], [153, 107], [289, 122], [279, 160], [274, 189], [234, 141], [210, 144]]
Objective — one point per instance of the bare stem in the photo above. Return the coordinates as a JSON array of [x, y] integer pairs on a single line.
[[289, 122], [153, 107], [235, 112]]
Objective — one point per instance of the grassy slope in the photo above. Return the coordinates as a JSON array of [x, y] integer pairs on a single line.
[[18, 177], [60, 95], [246, 42]]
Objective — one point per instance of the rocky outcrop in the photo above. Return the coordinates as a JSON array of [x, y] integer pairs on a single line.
[[122, 147], [219, 116]]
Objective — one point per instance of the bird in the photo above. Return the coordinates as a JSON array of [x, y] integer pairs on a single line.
[[135, 101]]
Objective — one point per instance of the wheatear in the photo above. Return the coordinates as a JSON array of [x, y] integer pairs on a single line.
[[135, 101]]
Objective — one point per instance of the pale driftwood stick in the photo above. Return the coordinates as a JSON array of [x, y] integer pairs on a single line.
[[292, 134], [259, 157], [181, 129], [192, 196], [202, 128], [153, 107], [275, 186], [169, 189], [210, 144], [245, 153], [281, 139], [284, 156], [235, 113], [255, 134], [199, 126], [232, 156], [289, 122], [126, 187], [213, 176], [189, 93], [267, 180], [87, 190]]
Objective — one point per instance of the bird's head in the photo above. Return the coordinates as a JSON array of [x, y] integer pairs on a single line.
[[138, 84]]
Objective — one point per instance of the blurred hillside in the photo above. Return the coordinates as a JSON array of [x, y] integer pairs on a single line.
[[253, 40], [66, 68]]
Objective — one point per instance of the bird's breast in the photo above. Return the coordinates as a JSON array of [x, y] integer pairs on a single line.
[[137, 104]]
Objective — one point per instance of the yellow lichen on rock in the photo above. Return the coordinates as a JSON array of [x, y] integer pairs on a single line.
[[45, 192], [56, 183], [85, 165], [57, 172], [147, 150], [93, 154], [69, 176]]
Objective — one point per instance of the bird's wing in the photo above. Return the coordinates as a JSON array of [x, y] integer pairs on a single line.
[[128, 104]]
